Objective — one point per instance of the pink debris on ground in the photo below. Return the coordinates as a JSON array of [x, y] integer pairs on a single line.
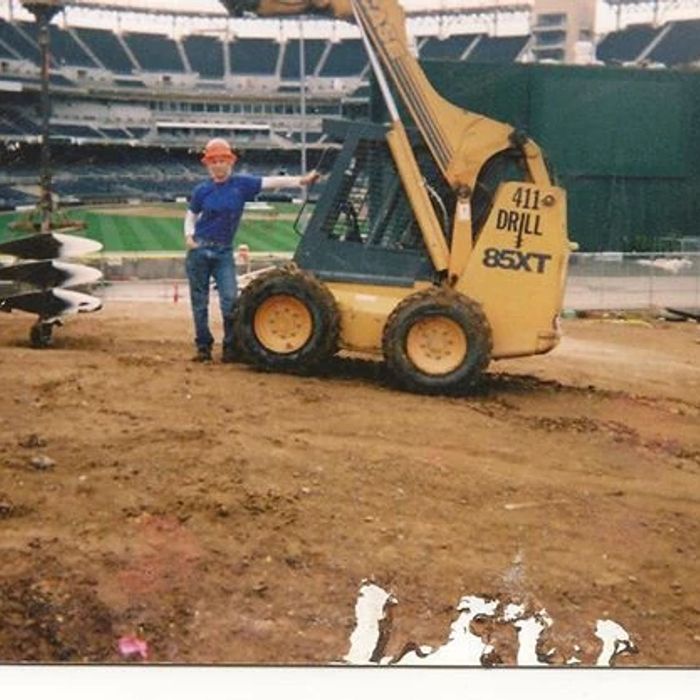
[[133, 646]]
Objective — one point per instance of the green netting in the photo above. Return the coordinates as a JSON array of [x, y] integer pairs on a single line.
[[625, 143], [601, 123]]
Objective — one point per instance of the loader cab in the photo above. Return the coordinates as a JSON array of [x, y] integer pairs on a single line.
[[363, 230]]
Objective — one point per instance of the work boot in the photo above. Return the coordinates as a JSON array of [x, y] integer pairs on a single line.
[[203, 355]]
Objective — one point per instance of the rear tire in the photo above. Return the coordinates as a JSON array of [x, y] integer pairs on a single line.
[[437, 341], [286, 320]]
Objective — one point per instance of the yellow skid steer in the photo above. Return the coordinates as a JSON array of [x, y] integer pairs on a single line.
[[438, 247]]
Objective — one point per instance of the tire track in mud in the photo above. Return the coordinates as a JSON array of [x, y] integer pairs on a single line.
[[504, 397], [532, 403], [497, 386], [501, 384], [500, 396]]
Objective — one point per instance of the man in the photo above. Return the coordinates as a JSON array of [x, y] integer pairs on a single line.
[[211, 222]]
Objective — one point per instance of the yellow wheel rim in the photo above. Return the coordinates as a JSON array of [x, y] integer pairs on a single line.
[[283, 324], [436, 345]]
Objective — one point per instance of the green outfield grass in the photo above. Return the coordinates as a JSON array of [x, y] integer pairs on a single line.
[[125, 233]]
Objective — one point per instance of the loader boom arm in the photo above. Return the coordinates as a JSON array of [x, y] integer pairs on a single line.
[[460, 141]]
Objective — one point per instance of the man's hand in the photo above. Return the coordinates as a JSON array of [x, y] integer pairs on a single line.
[[310, 178], [190, 243]]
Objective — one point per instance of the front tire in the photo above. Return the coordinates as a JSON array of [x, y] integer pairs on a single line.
[[286, 320], [437, 341]]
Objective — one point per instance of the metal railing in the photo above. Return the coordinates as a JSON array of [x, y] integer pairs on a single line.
[[633, 280], [595, 280]]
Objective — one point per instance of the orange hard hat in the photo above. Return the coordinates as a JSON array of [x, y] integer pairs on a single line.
[[218, 149]]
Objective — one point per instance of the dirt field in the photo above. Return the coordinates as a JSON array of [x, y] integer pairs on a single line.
[[225, 515]]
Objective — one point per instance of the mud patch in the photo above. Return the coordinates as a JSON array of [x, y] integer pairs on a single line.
[[52, 619]]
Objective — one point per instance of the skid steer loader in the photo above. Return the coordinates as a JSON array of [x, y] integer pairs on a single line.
[[438, 249]]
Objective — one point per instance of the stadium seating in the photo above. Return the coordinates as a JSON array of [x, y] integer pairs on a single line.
[[680, 46], [253, 56], [55, 79], [6, 31], [495, 49], [129, 83], [73, 131], [10, 197], [311, 137], [313, 51], [626, 45], [129, 102], [62, 45], [66, 51], [106, 47], [7, 128], [18, 120], [155, 52], [453, 47], [345, 59], [138, 131], [115, 133], [60, 81], [86, 188], [15, 40], [206, 55], [108, 173]]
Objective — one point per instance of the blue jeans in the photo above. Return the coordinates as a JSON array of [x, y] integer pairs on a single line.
[[202, 264]]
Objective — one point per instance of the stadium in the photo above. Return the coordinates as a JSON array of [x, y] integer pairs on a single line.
[[131, 108], [160, 511]]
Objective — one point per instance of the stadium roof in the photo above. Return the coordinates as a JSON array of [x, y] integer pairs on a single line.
[[215, 8], [668, 4]]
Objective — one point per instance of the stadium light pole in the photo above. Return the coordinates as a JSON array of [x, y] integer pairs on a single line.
[[302, 75], [44, 12]]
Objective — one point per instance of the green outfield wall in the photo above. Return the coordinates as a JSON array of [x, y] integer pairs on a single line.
[[624, 142]]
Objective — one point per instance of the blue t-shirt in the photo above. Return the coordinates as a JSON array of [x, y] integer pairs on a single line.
[[221, 207]]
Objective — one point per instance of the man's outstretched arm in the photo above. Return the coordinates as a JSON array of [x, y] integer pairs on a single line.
[[277, 181]]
